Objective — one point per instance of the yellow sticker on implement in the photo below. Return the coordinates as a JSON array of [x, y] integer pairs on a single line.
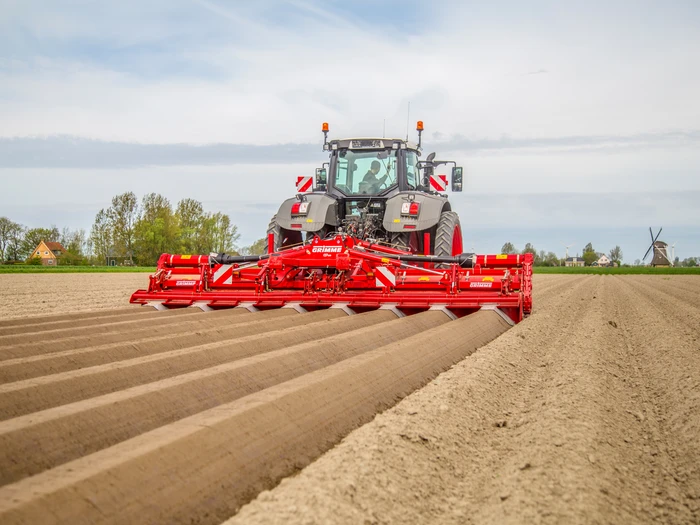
[[501, 256], [397, 220], [309, 220], [385, 260], [423, 279], [487, 279], [185, 256]]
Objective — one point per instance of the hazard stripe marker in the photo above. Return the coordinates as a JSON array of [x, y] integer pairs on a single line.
[[304, 184], [385, 277], [438, 182], [220, 275]]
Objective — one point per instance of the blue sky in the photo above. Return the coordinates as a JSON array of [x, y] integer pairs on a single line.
[[579, 117]]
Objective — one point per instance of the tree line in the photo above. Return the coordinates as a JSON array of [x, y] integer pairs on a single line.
[[140, 232], [589, 256], [543, 258], [17, 242], [130, 231]]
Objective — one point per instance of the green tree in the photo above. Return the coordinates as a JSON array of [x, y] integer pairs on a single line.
[[122, 216], [540, 257], [589, 254], [155, 229], [508, 248], [529, 248], [551, 259], [546, 259], [11, 236], [73, 241], [218, 234], [13, 252], [190, 221], [101, 237], [615, 255], [589, 258], [257, 248], [6, 233]]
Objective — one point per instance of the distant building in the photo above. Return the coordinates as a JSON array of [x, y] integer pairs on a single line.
[[603, 260], [49, 253], [574, 261], [660, 258]]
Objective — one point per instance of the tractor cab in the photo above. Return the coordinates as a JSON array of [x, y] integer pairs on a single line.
[[376, 167], [372, 167]]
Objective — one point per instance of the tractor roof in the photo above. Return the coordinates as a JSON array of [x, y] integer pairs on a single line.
[[372, 143]]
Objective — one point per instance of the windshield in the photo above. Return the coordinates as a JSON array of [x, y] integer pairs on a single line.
[[365, 172]]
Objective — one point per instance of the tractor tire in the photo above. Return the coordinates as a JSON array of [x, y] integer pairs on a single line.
[[322, 233], [448, 237], [283, 238], [408, 242], [400, 240]]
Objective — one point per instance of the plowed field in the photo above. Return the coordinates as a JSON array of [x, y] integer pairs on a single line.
[[588, 411]]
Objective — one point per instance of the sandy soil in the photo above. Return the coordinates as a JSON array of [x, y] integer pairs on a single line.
[[587, 412], [54, 293]]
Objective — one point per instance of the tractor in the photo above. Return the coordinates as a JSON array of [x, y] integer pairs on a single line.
[[374, 189]]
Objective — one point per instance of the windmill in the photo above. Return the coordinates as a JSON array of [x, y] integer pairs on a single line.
[[567, 249], [659, 249]]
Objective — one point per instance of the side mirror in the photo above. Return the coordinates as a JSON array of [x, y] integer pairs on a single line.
[[457, 178], [321, 178]]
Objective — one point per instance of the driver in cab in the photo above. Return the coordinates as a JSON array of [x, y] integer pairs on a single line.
[[371, 176]]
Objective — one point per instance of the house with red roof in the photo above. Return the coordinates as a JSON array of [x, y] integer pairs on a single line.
[[49, 252]]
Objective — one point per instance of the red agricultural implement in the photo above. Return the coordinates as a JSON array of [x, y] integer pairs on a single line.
[[343, 271]]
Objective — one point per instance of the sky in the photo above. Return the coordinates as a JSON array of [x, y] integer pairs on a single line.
[[575, 121]]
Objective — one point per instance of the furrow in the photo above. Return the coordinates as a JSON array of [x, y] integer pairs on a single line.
[[428, 459], [137, 314], [195, 324], [25, 397], [26, 321], [17, 334], [201, 332], [46, 439], [204, 467]]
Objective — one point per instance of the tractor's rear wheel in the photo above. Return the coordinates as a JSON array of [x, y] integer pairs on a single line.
[[405, 241], [322, 233], [448, 237], [283, 238]]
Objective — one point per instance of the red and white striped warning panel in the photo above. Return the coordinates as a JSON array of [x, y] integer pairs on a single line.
[[384, 276], [438, 182], [304, 184], [223, 275]]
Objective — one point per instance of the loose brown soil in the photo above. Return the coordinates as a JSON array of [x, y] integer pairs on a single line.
[[34, 295], [589, 411]]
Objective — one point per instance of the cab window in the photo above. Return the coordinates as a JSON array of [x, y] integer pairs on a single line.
[[365, 172], [412, 173]]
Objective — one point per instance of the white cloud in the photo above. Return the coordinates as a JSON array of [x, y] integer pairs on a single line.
[[277, 82]]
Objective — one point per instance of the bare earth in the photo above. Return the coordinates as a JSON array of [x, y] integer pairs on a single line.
[[587, 412], [53, 293]]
